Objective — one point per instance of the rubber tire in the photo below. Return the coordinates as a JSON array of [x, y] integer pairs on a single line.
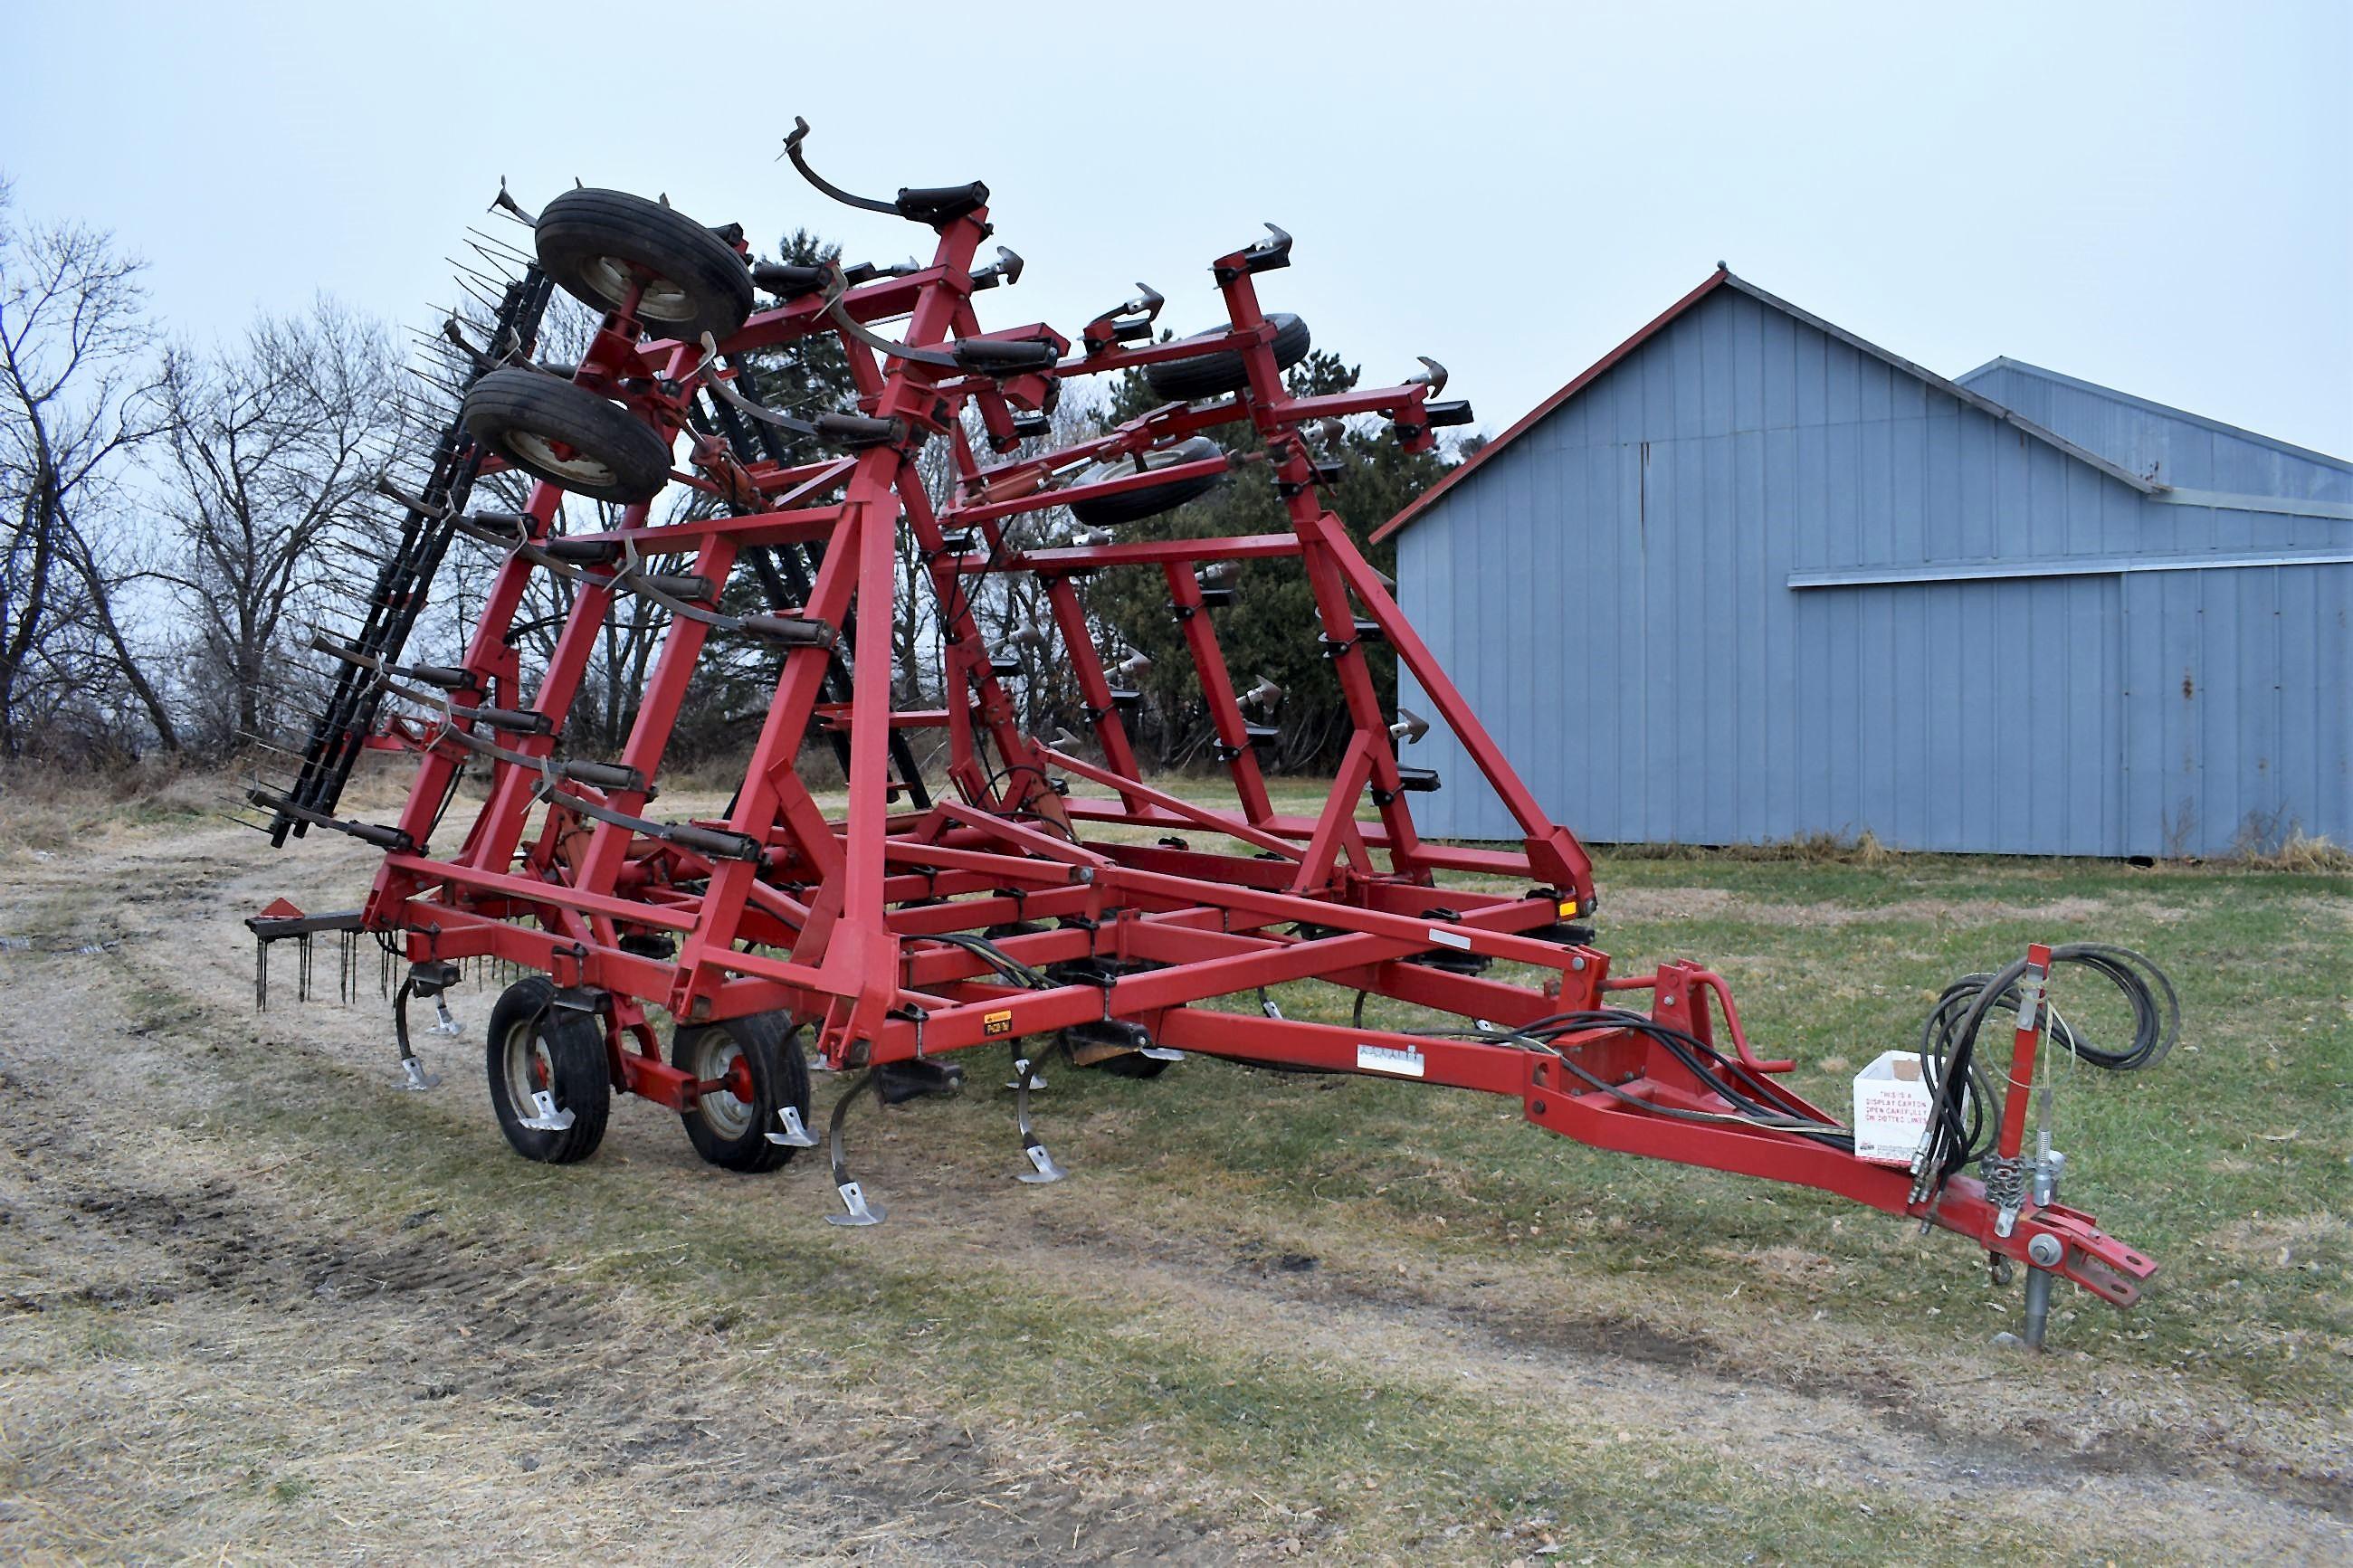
[[512, 399], [780, 1076], [1221, 371], [583, 1078], [582, 227], [1134, 506]]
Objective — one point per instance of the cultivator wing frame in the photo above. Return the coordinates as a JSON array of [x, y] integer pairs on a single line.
[[910, 929]]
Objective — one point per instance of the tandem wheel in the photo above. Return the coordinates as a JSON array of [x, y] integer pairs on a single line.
[[761, 1058], [550, 1082]]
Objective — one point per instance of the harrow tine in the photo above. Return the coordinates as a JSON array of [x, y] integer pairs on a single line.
[[477, 292], [420, 373], [490, 247], [463, 271]]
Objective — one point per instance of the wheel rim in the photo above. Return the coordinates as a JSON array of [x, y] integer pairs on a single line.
[[613, 277], [572, 464], [728, 1115], [529, 1067]]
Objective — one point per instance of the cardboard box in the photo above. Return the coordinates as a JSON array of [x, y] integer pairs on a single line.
[[1891, 1109]]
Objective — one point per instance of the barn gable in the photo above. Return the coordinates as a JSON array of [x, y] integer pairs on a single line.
[[1914, 470], [1752, 578]]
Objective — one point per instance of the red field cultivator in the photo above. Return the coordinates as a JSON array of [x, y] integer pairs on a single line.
[[1050, 892]]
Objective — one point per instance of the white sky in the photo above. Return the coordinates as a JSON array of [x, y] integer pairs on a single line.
[[2159, 198]]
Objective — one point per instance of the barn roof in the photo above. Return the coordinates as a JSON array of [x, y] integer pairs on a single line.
[[1724, 278], [1995, 372]]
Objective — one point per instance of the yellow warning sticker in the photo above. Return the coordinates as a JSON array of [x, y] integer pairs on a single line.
[[1568, 908], [995, 1024]]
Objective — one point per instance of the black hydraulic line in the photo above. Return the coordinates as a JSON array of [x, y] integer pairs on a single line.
[[1960, 1129], [1007, 966], [1740, 1087]]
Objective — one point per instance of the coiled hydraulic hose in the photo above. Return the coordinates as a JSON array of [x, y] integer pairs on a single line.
[[1960, 1129]]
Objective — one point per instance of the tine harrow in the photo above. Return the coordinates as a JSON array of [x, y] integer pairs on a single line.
[[407, 564]]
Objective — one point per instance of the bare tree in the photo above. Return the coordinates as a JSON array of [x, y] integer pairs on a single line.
[[630, 636], [78, 379], [265, 466], [1003, 603]]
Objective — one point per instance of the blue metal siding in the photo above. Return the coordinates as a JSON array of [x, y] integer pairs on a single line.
[[1611, 594], [2167, 444], [2239, 713]]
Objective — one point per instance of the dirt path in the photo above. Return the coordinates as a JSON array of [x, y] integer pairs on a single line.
[[209, 1345], [200, 1354]]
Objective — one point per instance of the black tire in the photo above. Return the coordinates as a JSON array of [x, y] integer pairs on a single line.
[[1221, 371], [532, 1044], [1134, 506], [568, 435], [725, 1128], [596, 243]]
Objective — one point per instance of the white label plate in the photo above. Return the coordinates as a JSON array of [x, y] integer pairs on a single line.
[[1405, 1063]]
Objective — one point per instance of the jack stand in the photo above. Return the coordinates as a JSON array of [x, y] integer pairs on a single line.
[[1043, 1168], [853, 1197], [2044, 1252], [794, 1135]]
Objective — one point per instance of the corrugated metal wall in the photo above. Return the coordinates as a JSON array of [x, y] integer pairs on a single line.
[[1612, 593], [2160, 443], [2239, 716]]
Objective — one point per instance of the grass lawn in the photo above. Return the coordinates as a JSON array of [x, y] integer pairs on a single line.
[[1272, 1315]]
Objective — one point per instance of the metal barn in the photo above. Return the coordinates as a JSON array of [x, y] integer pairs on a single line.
[[1815, 588]]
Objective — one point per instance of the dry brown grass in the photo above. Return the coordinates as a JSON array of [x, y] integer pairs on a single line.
[[2300, 852], [1813, 848], [47, 808]]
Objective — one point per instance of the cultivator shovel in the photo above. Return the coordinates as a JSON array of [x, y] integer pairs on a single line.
[[1040, 890]]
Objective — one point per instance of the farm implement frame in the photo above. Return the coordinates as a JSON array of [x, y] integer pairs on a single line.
[[1050, 890]]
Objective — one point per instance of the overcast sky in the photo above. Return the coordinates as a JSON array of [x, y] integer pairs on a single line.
[[2158, 198]]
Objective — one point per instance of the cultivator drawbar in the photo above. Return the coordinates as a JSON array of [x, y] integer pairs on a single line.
[[1050, 892]]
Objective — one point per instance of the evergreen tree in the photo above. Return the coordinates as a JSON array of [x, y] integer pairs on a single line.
[[1271, 630]]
